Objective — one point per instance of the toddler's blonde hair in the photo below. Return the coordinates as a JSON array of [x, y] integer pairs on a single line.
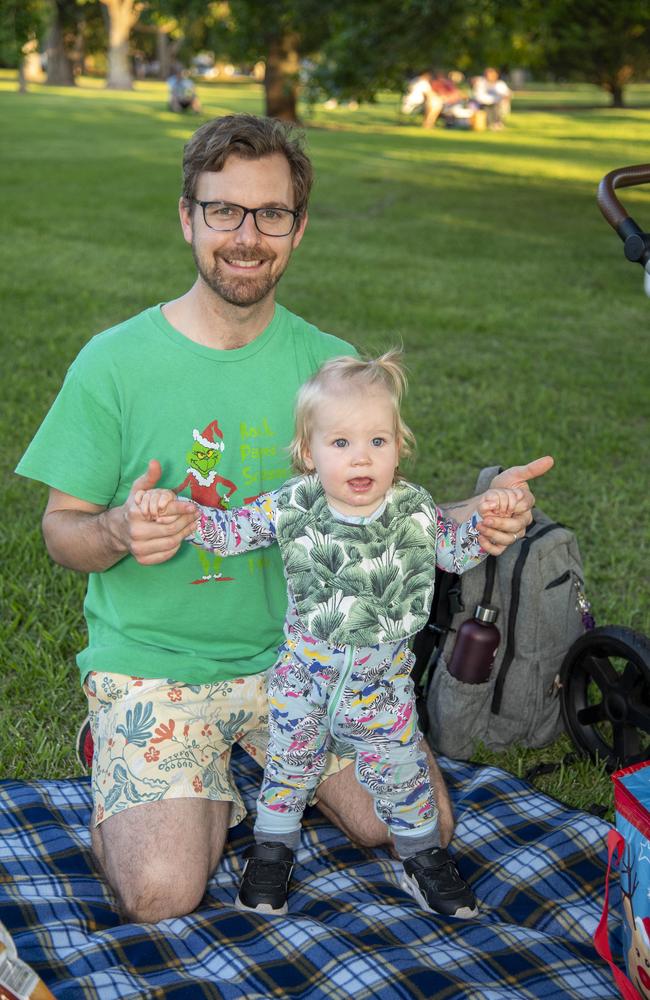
[[344, 373]]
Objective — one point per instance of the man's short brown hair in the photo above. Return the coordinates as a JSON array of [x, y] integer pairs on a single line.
[[250, 137]]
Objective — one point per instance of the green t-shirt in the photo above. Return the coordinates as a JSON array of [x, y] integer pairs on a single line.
[[219, 422]]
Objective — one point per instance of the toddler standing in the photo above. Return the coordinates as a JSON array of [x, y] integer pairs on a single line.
[[359, 547]]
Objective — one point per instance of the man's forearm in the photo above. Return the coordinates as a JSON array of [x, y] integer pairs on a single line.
[[83, 541]]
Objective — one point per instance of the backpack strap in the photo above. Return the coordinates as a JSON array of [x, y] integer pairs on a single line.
[[445, 604], [490, 574], [485, 477], [515, 595]]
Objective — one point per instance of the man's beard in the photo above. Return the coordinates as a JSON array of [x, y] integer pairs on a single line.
[[244, 291]]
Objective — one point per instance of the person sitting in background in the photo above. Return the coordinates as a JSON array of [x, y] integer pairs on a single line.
[[437, 96], [494, 95], [182, 94], [421, 97], [447, 91], [456, 111]]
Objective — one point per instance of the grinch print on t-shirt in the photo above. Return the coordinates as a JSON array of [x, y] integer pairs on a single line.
[[203, 482]]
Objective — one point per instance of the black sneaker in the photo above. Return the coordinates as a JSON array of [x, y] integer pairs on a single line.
[[265, 882], [433, 879], [84, 745]]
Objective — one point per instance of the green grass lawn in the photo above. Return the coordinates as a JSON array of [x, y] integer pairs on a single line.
[[525, 330]]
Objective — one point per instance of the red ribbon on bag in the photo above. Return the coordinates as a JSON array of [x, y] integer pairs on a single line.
[[615, 846]]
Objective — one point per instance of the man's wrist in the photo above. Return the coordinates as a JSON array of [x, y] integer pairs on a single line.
[[112, 524]]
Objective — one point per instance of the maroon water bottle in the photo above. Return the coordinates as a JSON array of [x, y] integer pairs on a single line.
[[477, 641]]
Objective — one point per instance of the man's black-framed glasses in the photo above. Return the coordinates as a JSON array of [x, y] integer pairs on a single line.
[[225, 217]]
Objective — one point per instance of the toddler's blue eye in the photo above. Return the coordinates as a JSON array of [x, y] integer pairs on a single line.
[[340, 443], [377, 442]]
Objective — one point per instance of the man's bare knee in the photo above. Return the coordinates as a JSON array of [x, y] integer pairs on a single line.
[[148, 891], [156, 893], [139, 848]]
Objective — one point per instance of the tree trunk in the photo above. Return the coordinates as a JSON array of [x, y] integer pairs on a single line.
[[122, 16], [281, 78], [78, 53], [120, 76], [166, 51], [615, 83], [617, 96], [60, 69]]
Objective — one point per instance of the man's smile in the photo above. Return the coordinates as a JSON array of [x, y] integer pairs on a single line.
[[244, 263], [244, 259]]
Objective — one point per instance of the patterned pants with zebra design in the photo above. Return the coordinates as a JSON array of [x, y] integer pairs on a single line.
[[361, 699]]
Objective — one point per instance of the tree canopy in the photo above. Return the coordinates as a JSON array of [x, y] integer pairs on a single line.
[[348, 48], [606, 43]]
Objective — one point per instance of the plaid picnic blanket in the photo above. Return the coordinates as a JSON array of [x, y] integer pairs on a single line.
[[537, 868]]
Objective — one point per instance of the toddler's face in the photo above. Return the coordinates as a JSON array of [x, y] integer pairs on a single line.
[[354, 448]]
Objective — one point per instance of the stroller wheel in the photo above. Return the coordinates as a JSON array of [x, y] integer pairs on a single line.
[[605, 695]]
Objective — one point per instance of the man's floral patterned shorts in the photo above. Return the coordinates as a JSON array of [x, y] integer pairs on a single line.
[[160, 739]]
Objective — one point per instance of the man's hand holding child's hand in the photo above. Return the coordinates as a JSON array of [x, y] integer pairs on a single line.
[[500, 503], [154, 503]]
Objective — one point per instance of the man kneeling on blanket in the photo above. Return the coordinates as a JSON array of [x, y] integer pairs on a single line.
[[358, 545], [178, 650]]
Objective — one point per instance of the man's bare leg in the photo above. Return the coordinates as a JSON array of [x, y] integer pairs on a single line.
[[350, 807], [158, 856]]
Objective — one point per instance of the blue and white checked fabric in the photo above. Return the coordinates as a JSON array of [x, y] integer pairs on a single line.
[[538, 869]]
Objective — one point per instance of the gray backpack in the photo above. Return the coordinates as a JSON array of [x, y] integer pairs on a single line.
[[537, 585]]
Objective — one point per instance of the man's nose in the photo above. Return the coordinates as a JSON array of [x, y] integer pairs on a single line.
[[248, 231]]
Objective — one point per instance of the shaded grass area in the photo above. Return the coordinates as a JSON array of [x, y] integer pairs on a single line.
[[525, 330]]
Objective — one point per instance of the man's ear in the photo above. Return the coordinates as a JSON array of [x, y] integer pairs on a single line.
[[185, 209], [299, 231]]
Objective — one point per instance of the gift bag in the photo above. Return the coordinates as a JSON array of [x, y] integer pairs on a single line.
[[629, 845]]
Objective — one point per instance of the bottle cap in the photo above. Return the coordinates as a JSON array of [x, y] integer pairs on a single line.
[[486, 613]]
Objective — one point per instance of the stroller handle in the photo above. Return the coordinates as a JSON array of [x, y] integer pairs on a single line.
[[622, 177], [637, 243]]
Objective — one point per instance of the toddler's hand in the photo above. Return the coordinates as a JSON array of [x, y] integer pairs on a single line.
[[154, 503], [499, 502]]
